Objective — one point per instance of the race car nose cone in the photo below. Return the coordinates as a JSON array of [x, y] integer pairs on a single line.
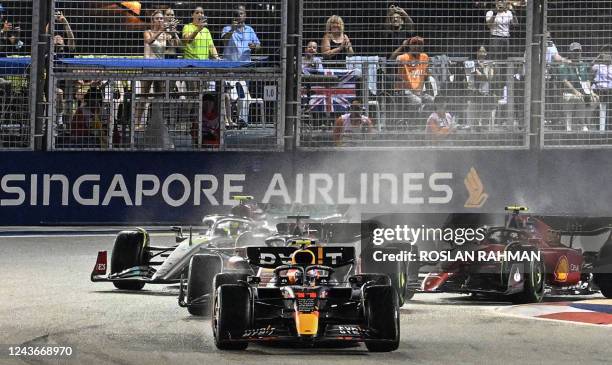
[[307, 324]]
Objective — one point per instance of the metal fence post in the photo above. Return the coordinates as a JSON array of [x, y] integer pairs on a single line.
[[40, 11], [534, 76], [290, 72]]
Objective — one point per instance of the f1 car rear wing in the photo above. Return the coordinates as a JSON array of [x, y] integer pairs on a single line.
[[272, 257]]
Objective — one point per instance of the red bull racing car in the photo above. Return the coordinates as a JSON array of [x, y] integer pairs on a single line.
[[309, 298], [534, 260]]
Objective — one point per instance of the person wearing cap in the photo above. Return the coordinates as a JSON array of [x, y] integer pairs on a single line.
[[413, 70], [579, 99], [352, 124]]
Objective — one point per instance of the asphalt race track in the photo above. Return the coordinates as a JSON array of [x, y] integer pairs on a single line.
[[48, 300]]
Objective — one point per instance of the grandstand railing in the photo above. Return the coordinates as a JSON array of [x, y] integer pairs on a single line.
[[408, 65], [16, 122], [578, 74], [168, 103], [166, 98]]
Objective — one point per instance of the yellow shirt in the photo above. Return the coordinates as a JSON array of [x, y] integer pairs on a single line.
[[200, 47]]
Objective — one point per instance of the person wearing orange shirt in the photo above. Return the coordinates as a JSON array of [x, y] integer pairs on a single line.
[[413, 71]]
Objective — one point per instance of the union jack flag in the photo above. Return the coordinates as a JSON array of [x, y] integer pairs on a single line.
[[333, 98]]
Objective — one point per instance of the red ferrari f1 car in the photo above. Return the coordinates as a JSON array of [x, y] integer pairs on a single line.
[[534, 260]]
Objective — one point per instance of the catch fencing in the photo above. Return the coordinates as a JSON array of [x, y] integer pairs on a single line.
[[417, 74], [378, 74]]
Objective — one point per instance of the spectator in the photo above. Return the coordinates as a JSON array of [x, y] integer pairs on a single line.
[[10, 37], [578, 95], [413, 71], [336, 45], [63, 45], [240, 40], [441, 123], [352, 124], [156, 40], [171, 25], [197, 38], [602, 67], [399, 27], [479, 75], [210, 123], [552, 53], [554, 93], [499, 23], [89, 127], [310, 62]]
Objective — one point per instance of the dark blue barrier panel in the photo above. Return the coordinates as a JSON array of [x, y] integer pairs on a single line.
[[181, 187]]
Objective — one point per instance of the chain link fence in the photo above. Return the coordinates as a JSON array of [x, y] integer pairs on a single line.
[[419, 74], [578, 74], [15, 40], [162, 75]]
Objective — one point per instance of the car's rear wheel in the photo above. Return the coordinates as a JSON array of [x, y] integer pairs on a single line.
[[231, 316], [533, 287], [202, 270], [603, 268], [382, 316], [396, 270], [604, 282], [228, 278], [129, 251]]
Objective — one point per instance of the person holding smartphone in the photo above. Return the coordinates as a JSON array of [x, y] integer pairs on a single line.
[[239, 39], [10, 37], [197, 38]]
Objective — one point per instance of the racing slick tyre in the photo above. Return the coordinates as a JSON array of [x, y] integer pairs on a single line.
[[396, 270], [533, 288], [382, 317], [604, 282], [231, 314], [603, 274], [129, 251], [202, 270], [228, 278]]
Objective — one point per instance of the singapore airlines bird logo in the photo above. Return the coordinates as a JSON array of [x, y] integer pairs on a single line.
[[473, 184]]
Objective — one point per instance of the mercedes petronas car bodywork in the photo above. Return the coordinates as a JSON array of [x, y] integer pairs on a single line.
[[134, 262]]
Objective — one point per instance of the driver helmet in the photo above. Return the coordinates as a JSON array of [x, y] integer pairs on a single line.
[[294, 276]]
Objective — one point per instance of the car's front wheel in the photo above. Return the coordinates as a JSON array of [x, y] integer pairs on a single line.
[[382, 316], [533, 287], [129, 251], [231, 316]]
